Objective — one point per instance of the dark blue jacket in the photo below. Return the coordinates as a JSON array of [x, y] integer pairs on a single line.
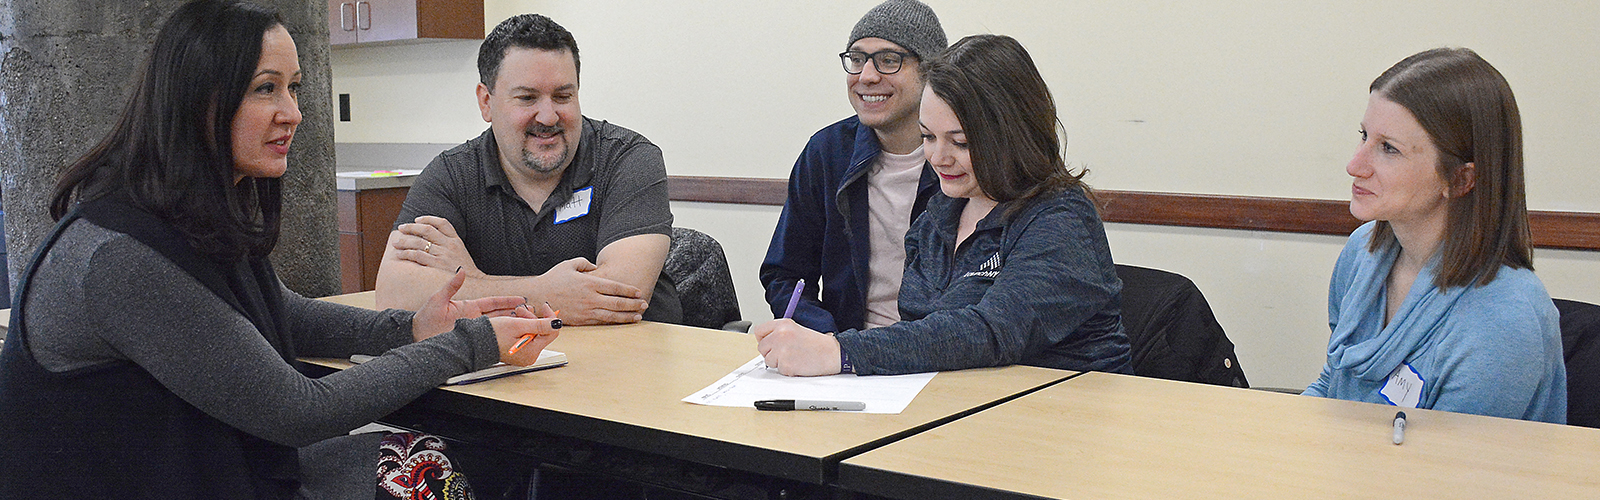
[[1037, 288], [822, 233]]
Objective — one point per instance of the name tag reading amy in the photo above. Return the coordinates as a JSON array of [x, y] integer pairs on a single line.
[[1404, 387], [576, 207]]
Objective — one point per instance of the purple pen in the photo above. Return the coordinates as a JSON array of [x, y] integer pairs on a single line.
[[794, 299]]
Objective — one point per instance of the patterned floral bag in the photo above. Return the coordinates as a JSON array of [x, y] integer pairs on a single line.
[[414, 467]]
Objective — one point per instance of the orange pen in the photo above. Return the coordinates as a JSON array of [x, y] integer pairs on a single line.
[[554, 324]]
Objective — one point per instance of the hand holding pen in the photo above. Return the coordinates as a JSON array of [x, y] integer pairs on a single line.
[[795, 350], [545, 313], [524, 335]]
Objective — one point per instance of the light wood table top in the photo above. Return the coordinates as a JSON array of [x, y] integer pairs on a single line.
[[624, 385], [1105, 436], [364, 300]]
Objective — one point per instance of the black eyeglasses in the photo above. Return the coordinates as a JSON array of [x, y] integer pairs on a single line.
[[887, 62]]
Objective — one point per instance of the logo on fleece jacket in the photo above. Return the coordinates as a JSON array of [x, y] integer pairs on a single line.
[[989, 269]]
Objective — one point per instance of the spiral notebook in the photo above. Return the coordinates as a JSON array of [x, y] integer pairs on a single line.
[[547, 359]]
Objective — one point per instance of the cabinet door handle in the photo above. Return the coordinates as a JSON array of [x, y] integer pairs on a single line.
[[347, 22], [364, 22]]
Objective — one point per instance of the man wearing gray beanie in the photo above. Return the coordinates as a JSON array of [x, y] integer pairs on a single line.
[[859, 182]]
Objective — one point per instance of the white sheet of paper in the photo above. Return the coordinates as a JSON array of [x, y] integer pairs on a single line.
[[754, 382]]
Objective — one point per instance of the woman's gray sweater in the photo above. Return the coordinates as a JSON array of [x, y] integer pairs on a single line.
[[101, 297]]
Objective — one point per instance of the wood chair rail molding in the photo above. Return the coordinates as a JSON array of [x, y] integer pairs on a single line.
[[1559, 230]]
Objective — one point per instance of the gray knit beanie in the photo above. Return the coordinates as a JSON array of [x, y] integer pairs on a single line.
[[908, 23]]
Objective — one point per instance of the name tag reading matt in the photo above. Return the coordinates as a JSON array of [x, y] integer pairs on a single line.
[[1404, 387], [576, 207]]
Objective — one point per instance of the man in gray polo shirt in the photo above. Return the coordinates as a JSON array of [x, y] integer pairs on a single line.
[[547, 204]]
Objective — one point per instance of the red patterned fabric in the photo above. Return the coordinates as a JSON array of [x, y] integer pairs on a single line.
[[414, 467]]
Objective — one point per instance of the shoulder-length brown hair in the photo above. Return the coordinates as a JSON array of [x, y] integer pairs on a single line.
[[1008, 116], [1467, 109]]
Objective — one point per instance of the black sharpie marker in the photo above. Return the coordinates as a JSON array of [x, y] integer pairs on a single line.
[[1399, 427], [801, 404]]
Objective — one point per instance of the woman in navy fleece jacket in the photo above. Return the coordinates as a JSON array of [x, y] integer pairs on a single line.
[[1009, 264]]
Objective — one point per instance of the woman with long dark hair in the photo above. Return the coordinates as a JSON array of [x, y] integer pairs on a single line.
[[1433, 303], [150, 351], [1009, 264]]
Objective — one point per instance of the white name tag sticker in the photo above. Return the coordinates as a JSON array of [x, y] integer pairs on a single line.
[[576, 207], [1404, 387]]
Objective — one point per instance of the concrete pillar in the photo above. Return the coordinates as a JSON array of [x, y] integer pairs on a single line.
[[65, 72]]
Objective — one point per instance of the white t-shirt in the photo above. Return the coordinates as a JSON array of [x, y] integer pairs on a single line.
[[891, 193]]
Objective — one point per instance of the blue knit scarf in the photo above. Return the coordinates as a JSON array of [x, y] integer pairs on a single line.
[[1360, 342]]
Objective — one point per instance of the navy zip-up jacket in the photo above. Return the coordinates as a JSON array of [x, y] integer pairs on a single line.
[[822, 232], [1038, 288]]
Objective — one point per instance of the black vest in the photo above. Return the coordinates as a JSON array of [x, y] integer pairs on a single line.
[[113, 431]]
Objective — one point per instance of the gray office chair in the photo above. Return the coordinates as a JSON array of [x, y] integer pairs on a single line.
[[1173, 332], [705, 285], [1580, 342]]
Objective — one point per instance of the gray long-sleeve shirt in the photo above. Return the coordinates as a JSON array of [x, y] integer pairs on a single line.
[[102, 297]]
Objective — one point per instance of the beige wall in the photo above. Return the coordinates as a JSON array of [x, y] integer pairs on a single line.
[[1237, 97]]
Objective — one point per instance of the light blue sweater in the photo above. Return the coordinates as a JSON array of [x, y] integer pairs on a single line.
[[1489, 350]]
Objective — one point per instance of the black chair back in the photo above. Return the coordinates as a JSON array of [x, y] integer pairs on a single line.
[[1580, 342], [1173, 332]]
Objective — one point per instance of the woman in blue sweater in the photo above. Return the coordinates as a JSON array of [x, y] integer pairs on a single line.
[[1009, 264], [1434, 304]]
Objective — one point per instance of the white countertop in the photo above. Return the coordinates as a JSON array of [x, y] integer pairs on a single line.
[[359, 180], [360, 166]]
